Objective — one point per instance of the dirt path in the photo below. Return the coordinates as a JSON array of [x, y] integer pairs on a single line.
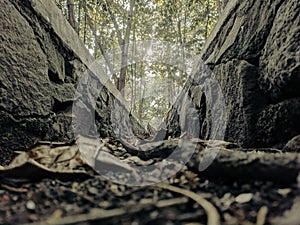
[[227, 193]]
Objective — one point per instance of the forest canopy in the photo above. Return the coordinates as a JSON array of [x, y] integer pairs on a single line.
[[150, 88]]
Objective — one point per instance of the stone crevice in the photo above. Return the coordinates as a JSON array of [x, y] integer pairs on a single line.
[[254, 57], [35, 106]]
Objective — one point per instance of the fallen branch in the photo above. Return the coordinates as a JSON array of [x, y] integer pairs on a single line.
[[93, 215], [238, 164], [105, 215], [213, 217]]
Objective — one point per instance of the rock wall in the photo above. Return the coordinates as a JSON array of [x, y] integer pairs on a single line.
[[41, 61], [254, 54]]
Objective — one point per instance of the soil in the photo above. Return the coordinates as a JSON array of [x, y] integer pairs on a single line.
[[96, 200]]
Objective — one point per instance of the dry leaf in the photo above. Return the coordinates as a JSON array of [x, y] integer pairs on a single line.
[[46, 161]]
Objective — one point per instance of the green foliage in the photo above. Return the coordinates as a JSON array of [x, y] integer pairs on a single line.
[[150, 88]]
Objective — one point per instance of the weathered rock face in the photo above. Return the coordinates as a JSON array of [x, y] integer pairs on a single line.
[[254, 54], [293, 144], [41, 61]]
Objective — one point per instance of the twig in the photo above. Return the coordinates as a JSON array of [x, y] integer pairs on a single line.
[[94, 215], [13, 189], [213, 217]]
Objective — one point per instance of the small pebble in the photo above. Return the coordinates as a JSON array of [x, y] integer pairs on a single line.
[[104, 204], [243, 198], [284, 191], [75, 185], [93, 191], [4, 199], [30, 205]]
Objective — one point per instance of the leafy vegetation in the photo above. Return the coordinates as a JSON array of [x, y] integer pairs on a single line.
[[149, 87]]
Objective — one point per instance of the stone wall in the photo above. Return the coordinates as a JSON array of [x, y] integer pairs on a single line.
[[41, 62], [254, 54]]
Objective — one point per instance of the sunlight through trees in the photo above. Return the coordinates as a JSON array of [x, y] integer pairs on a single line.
[[104, 25]]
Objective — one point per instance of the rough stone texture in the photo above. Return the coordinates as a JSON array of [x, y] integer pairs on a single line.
[[278, 123], [41, 61], [254, 54], [293, 144], [244, 105], [280, 60]]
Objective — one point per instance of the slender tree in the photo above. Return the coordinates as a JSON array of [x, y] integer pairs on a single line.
[[71, 14], [105, 25]]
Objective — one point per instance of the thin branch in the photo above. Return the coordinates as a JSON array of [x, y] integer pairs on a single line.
[[98, 42], [213, 217], [113, 19]]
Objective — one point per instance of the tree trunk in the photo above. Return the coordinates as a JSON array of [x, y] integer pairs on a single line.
[[207, 19], [224, 3], [98, 43], [133, 72], [79, 17], [71, 16], [124, 49]]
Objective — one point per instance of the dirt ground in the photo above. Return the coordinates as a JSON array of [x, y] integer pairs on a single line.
[[188, 197]]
